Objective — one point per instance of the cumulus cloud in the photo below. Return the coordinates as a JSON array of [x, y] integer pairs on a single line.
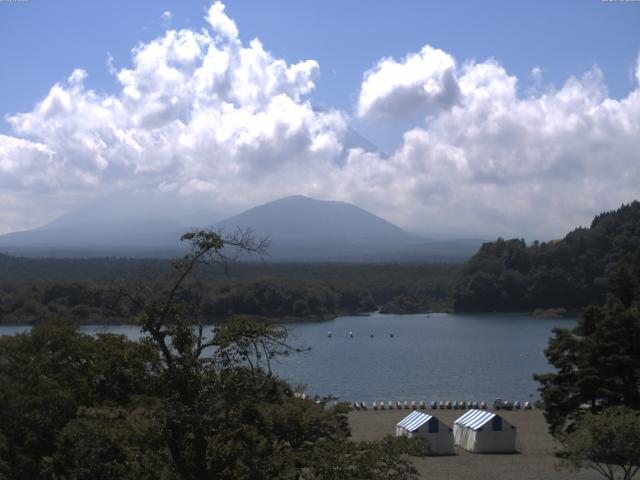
[[196, 111], [204, 113], [422, 81], [499, 164]]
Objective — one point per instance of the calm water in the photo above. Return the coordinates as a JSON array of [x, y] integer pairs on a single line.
[[433, 357]]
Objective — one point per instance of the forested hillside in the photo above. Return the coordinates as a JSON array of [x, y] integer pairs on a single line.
[[33, 289], [508, 275]]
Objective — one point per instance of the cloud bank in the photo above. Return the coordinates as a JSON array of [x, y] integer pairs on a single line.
[[201, 112]]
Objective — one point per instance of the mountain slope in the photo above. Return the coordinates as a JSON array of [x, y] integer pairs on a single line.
[[122, 224], [300, 218], [570, 273], [299, 229]]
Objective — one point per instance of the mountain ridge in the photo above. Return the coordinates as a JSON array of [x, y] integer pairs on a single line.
[[300, 229]]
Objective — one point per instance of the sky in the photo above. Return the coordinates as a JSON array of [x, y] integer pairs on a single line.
[[491, 118]]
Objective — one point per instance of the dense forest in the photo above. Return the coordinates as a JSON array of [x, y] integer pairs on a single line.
[[508, 275], [88, 289]]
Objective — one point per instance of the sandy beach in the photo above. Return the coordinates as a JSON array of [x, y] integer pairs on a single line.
[[534, 460]]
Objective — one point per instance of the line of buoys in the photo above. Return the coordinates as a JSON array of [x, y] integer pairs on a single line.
[[434, 405], [351, 335]]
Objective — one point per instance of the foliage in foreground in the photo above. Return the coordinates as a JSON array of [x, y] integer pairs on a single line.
[[608, 443], [176, 405], [597, 362]]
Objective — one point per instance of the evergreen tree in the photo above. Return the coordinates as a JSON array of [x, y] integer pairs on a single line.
[[597, 362]]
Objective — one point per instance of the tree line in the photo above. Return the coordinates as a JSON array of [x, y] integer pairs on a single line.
[[33, 289], [509, 275]]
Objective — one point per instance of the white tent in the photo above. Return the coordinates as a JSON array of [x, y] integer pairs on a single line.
[[419, 424], [480, 431]]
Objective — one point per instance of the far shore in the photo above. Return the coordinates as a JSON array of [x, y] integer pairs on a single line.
[[290, 319]]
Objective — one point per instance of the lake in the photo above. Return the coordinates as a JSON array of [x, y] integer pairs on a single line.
[[430, 357]]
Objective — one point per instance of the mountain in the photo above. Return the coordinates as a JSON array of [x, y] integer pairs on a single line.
[[298, 218], [126, 223], [305, 229], [299, 229]]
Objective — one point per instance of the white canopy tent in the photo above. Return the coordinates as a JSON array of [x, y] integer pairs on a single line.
[[481, 431], [420, 424]]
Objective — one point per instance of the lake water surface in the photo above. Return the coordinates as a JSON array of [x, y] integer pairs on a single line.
[[439, 356]]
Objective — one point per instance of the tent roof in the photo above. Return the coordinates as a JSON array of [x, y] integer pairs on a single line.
[[475, 419], [414, 421]]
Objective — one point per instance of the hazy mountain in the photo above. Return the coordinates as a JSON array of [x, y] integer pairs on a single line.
[[302, 218], [302, 228], [299, 229], [125, 223]]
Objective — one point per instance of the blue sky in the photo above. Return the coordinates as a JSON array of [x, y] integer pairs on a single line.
[[539, 45], [42, 42]]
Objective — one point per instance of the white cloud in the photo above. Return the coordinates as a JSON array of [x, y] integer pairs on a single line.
[[166, 18], [196, 111], [201, 112], [498, 164], [421, 82]]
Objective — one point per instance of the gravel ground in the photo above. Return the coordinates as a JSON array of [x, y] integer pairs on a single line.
[[534, 460]]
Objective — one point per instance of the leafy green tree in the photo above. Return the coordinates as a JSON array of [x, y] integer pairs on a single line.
[[47, 375], [598, 362], [608, 443], [106, 443]]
